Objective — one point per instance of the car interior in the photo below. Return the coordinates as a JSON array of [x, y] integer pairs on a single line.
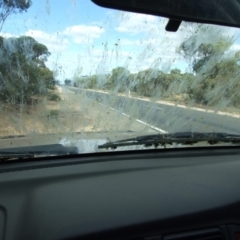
[[187, 193]]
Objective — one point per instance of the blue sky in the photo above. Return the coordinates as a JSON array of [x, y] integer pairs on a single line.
[[86, 39]]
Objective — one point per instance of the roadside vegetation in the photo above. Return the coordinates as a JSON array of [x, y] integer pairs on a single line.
[[23, 74], [54, 97], [212, 79], [53, 114]]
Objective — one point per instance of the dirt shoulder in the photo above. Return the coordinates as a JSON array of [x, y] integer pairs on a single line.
[[74, 113]]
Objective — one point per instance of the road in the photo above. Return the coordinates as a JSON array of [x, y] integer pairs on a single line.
[[165, 117]]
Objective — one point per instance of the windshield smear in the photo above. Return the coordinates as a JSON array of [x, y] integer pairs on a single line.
[[76, 74]]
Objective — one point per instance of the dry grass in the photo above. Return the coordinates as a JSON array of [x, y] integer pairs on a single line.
[[74, 113]]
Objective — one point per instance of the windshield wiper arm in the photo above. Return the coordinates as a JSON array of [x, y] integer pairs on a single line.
[[184, 138], [32, 151]]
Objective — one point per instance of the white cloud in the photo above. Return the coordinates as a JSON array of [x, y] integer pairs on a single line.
[[135, 23], [83, 33], [154, 51], [55, 42], [232, 50], [8, 35], [235, 47]]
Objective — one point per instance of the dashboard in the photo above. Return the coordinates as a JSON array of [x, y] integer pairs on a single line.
[[179, 193]]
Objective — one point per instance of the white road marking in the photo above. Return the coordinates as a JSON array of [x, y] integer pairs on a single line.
[[157, 108], [155, 128], [138, 120], [124, 114]]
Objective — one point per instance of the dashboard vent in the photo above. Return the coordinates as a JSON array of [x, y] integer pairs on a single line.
[[209, 234]]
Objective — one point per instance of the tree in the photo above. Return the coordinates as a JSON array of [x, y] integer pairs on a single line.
[[119, 79], [95, 81], [175, 71], [205, 45], [23, 72], [8, 7], [221, 84], [68, 82], [91, 82], [207, 51], [78, 81], [150, 82]]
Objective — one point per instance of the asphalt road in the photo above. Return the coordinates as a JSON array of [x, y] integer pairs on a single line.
[[166, 117]]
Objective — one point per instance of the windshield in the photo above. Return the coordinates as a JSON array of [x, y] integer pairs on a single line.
[[76, 74]]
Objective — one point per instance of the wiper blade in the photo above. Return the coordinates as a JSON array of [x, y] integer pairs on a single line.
[[184, 138], [33, 151]]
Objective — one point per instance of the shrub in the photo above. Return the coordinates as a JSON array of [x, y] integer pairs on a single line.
[[54, 97], [53, 114]]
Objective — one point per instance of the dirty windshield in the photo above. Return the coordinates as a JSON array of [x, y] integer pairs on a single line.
[[77, 75]]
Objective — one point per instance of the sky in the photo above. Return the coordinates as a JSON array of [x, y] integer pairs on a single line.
[[86, 39]]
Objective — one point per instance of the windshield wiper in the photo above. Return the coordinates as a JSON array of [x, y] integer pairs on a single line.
[[184, 138], [33, 151]]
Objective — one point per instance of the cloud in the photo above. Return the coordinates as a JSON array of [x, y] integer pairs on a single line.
[[55, 42], [8, 35], [58, 42], [235, 47], [152, 42], [232, 50], [154, 51], [135, 23], [84, 33]]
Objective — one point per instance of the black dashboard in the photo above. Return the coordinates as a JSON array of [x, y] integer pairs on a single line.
[[153, 194]]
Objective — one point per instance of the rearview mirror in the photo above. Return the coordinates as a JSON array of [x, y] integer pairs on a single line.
[[220, 12]]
